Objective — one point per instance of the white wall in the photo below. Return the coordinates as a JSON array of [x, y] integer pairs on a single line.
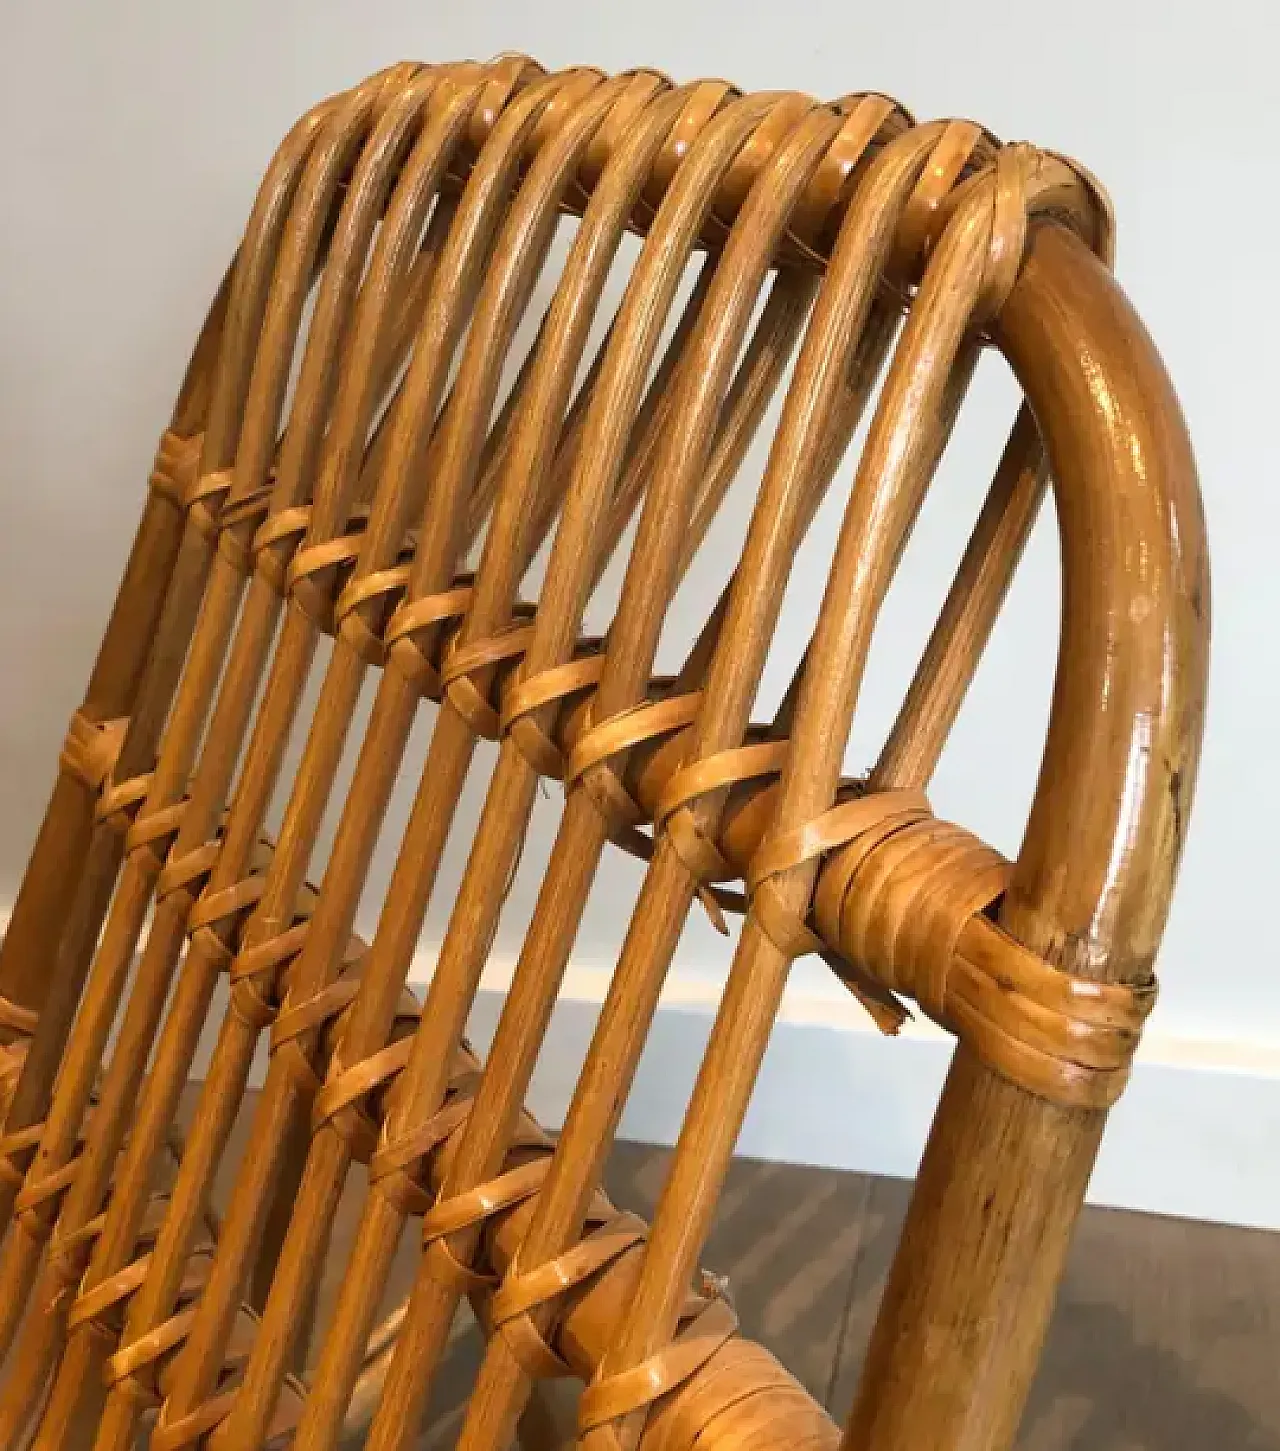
[[135, 134]]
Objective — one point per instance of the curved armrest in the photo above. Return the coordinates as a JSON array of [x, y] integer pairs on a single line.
[[1096, 868]]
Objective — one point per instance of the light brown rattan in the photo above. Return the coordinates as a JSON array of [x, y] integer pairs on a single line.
[[858, 256]]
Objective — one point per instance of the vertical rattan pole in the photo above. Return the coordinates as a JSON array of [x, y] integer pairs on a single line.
[[190, 864], [216, 401], [795, 155], [254, 270], [1004, 1173], [165, 808], [290, 1080], [964, 625], [223, 901], [52, 877], [488, 627], [635, 336]]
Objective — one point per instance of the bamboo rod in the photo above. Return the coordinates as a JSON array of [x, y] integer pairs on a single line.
[[397, 243], [584, 830], [166, 809], [217, 403], [935, 220], [365, 200], [434, 563]]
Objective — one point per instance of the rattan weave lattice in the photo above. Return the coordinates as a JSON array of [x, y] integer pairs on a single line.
[[536, 323]]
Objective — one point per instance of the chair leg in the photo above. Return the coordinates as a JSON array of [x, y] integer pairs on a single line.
[[51, 882], [973, 1283], [62, 849]]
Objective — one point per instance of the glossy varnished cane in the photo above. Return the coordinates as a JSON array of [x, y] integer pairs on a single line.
[[218, 402], [440, 541], [507, 804], [195, 860], [317, 554], [966, 237], [165, 813]]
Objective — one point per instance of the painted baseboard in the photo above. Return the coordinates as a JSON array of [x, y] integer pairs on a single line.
[[1194, 1135]]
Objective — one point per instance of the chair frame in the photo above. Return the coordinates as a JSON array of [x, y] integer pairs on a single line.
[[259, 538]]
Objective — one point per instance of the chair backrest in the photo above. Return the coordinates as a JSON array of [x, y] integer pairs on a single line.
[[440, 369]]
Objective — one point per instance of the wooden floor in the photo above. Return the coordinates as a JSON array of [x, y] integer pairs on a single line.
[[1167, 1333]]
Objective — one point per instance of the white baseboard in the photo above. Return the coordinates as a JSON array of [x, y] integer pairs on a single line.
[[1194, 1135]]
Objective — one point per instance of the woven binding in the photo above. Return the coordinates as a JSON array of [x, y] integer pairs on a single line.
[[394, 500]]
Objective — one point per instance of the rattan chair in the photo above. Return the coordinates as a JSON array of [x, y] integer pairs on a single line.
[[839, 257]]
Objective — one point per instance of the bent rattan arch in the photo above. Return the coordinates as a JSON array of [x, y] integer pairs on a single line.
[[855, 260]]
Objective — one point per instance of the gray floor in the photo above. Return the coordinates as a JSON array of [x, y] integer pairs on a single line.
[[1165, 1337]]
